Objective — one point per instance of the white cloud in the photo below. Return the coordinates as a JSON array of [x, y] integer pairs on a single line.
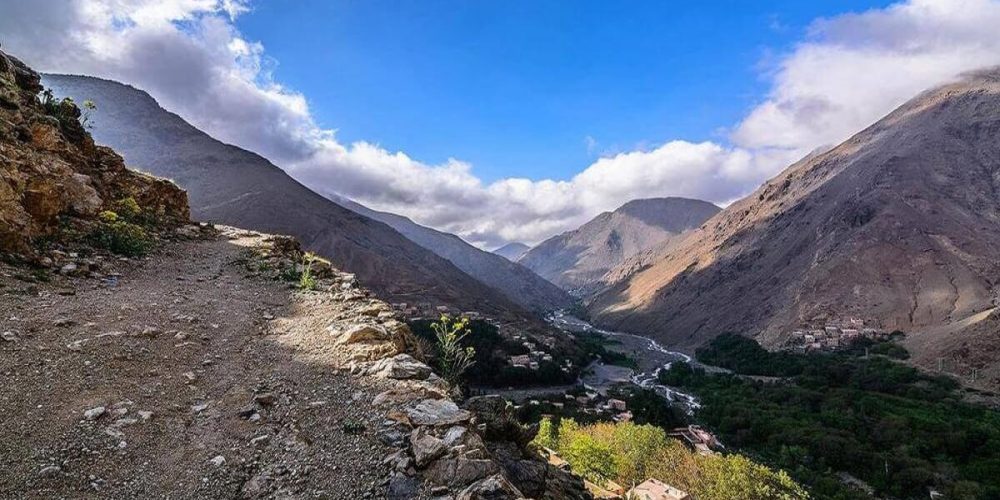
[[849, 71]]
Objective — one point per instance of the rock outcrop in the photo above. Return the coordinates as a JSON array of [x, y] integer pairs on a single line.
[[53, 176]]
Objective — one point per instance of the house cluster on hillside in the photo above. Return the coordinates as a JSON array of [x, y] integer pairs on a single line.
[[534, 356], [696, 438], [833, 335]]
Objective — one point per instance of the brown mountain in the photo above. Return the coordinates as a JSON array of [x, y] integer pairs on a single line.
[[898, 226], [233, 186], [578, 260]]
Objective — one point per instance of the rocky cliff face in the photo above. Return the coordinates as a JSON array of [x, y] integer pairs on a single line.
[[578, 260], [52, 175], [898, 226]]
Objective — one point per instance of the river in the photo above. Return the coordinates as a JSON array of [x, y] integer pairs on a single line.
[[649, 354]]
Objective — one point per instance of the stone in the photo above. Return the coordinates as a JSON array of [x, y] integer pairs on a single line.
[[94, 413], [68, 269], [260, 440], [63, 322], [460, 471], [190, 376], [199, 408], [266, 399], [495, 487], [8, 336], [437, 412], [425, 447], [360, 333], [402, 487], [218, 460], [50, 471], [400, 367], [145, 415]]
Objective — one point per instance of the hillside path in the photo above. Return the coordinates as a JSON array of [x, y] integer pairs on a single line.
[[214, 382]]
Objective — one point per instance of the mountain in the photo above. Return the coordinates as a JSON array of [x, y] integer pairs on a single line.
[[516, 282], [233, 186], [512, 251], [578, 260], [899, 226]]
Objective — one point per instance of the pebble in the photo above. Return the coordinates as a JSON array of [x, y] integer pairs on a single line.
[[199, 408], [218, 460], [94, 413], [8, 336], [145, 415], [50, 471]]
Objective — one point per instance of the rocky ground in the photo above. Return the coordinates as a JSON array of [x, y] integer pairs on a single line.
[[189, 375]]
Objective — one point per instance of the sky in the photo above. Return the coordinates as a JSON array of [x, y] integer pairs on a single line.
[[515, 120]]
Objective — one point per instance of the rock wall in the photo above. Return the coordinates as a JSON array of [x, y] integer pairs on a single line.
[[473, 450], [52, 173]]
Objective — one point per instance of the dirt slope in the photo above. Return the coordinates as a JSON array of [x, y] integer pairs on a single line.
[[189, 327], [233, 186], [899, 226], [578, 260]]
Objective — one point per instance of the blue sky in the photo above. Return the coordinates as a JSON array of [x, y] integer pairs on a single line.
[[516, 88], [371, 100]]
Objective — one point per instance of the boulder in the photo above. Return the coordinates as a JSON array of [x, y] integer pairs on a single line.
[[437, 412], [494, 487], [457, 472], [426, 447], [400, 367]]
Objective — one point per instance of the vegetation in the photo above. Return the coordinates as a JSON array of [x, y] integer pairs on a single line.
[[628, 454], [306, 279], [492, 366], [118, 234], [453, 358], [901, 432], [595, 345]]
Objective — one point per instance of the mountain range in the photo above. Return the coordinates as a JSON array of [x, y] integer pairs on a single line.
[[898, 226], [512, 251], [230, 185], [577, 260]]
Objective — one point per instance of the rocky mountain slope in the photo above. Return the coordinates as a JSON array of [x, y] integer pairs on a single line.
[[516, 282], [512, 251], [578, 260], [233, 186], [898, 226], [53, 178]]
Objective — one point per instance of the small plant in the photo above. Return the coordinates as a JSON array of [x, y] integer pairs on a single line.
[[306, 279], [351, 426], [88, 110], [120, 236], [128, 209], [453, 358]]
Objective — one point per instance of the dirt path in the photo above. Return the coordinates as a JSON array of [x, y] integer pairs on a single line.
[[215, 383]]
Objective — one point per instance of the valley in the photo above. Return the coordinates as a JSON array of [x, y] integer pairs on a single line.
[[181, 316]]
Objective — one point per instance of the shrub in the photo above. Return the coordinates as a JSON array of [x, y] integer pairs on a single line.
[[306, 279], [453, 358], [120, 236]]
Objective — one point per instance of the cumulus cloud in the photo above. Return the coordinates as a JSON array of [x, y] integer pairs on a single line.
[[847, 72]]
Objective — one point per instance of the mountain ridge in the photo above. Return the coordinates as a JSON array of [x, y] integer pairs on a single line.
[[898, 226], [234, 186], [577, 260]]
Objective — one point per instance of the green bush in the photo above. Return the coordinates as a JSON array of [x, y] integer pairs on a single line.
[[120, 236]]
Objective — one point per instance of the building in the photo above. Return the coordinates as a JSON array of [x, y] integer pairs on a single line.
[[617, 404], [652, 489], [521, 360], [698, 439]]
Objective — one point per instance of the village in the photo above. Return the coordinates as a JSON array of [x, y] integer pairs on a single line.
[[832, 336]]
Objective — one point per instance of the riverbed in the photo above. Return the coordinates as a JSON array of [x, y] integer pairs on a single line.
[[650, 356]]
